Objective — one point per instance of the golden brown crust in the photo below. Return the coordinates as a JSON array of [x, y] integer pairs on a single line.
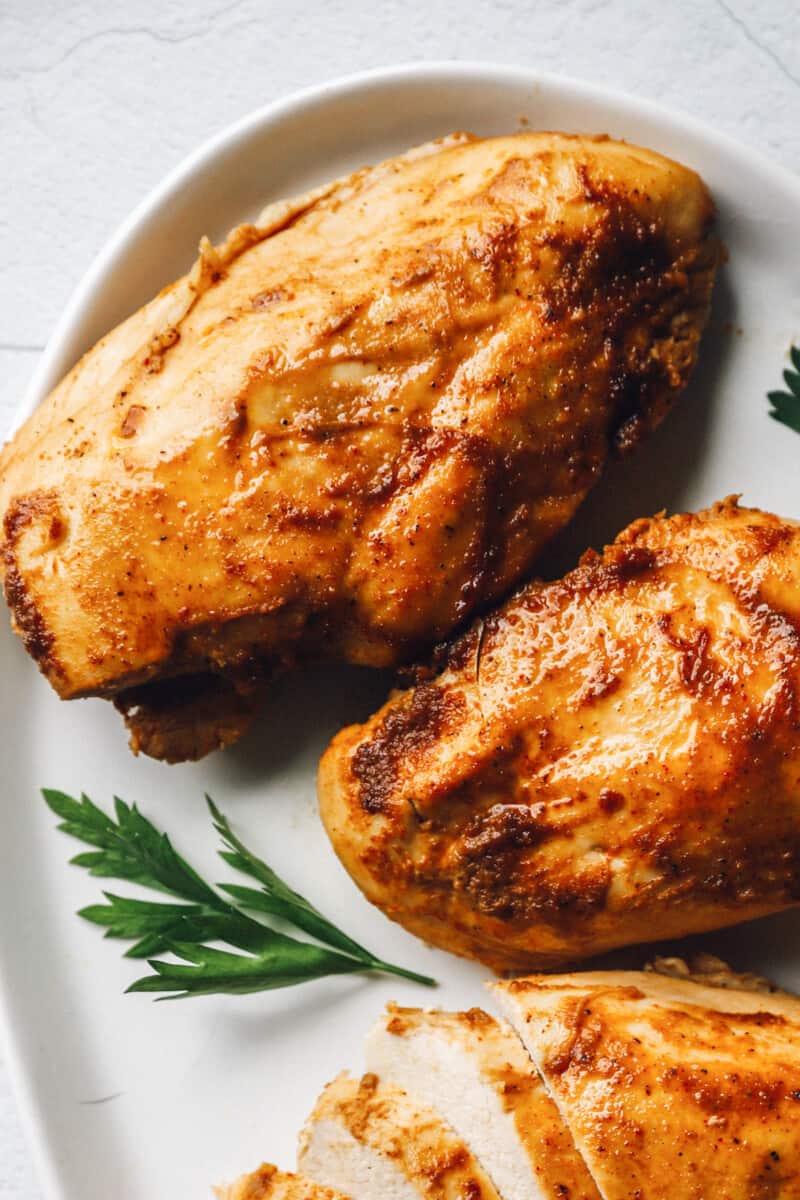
[[608, 759], [353, 422], [268, 1183], [669, 1080]]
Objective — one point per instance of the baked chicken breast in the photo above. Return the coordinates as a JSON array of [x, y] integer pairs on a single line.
[[350, 424], [608, 759], [669, 1086], [679, 1081], [369, 1139]]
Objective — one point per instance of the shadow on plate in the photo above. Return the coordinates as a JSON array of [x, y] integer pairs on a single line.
[[767, 946], [305, 709], [291, 1009]]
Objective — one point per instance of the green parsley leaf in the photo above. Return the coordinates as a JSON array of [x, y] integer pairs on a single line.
[[786, 405], [131, 848]]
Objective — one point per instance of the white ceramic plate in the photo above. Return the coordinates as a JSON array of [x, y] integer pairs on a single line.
[[137, 1100]]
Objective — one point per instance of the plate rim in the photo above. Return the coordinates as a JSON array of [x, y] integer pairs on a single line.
[[485, 72], [44, 376]]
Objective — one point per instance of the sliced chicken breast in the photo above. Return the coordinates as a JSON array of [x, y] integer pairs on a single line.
[[477, 1075], [371, 1139], [268, 1183], [671, 1087]]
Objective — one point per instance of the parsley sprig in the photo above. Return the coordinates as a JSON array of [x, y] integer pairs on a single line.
[[786, 405], [262, 958]]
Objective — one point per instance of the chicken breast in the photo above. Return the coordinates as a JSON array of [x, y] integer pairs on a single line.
[[371, 1139], [611, 758], [268, 1183], [350, 424], [475, 1072], [670, 1087]]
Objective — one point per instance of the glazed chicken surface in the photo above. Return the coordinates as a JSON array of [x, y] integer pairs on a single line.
[[611, 758], [350, 425], [670, 1087]]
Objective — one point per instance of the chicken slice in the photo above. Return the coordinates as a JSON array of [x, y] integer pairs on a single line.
[[371, 1139], [268, 1183], [609, 759], [475, 1072], [670, 1086], [349, 425]]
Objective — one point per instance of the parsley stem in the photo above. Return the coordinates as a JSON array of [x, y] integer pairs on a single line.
[[390, 969]]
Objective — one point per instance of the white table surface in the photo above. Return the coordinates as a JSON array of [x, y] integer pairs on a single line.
[[98, 101]]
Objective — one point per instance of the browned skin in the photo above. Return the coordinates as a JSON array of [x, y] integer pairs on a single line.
[[349, 425], [268, 1183], [671, 1088], [608, 759]]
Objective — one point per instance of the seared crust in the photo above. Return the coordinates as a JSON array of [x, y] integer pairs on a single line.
[[669, 1087], [350, 424], [609, 759]]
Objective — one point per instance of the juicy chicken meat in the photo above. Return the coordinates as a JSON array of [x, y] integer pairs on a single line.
[[371, 1140], [478, 1076], [351, 424], [608, 759], [670, 1087]]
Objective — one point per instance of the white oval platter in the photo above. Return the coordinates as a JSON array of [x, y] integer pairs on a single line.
[[133, 1099]]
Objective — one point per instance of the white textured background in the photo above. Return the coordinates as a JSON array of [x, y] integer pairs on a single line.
[[98, 101]]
